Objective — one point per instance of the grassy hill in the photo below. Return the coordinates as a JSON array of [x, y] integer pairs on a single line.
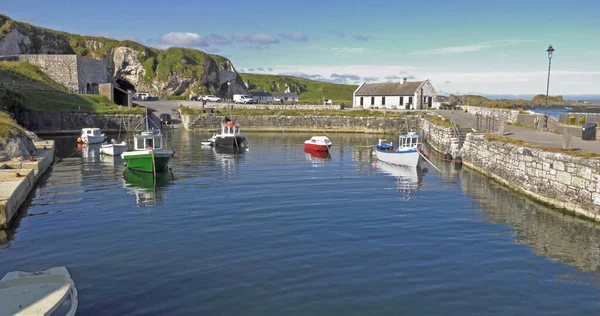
[[309, 91], [26, 87], [477, 100], [158, 64]]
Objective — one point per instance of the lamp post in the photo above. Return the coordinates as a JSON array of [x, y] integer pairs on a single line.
[[550, 52], [228, 98]]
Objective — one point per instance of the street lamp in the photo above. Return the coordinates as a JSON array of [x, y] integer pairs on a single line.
[[228, 85], [550, 51]]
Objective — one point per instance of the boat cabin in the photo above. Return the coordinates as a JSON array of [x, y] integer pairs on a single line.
[[146, 141], [410, 140], [230, 128], [320, 140], [95, 132]]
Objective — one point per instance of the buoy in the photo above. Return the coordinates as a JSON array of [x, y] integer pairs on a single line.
[[175, 155], [458, 161], [448, 157], [79, 140]]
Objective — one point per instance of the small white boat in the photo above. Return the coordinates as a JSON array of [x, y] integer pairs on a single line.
[[208, 142], [114, 148], [91, 136], [406, 154], [49, 292]]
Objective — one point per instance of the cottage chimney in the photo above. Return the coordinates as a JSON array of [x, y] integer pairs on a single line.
[[403, 80]]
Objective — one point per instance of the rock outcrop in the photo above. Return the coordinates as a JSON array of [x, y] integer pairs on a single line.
[[174, 71], [18, 147]]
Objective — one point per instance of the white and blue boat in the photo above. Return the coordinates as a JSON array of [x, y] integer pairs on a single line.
[[407, 153]]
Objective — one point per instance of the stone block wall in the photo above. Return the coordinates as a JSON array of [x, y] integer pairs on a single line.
[[589, 117], [223, 105], [438, 137], [90, 71], [567, 182], [510, 116], [60, 68], [64, 121], [308, 123]]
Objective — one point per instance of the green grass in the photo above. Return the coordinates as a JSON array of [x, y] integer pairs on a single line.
[[309, 91], [440, 121], [348, 113], [8, 127], [32, 72], [518, 142]]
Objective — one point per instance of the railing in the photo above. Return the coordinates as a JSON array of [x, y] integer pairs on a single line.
[[487, 124]]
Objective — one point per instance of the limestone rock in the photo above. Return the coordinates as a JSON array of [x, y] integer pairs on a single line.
[[16, 148]]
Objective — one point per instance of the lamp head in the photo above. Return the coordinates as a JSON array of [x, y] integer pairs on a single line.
[[550, 51]]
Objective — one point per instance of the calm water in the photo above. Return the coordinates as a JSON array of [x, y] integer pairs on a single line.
[[554, 112], [276, 231]]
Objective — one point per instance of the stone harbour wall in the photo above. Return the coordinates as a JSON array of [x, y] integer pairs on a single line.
[[588, 117], [510, 116], [285, 106], [65, 121], [438, 137], [60, 68], [566, 182], [307, 123]]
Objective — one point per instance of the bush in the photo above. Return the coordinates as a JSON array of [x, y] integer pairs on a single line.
[[572, 119], [581, 120]]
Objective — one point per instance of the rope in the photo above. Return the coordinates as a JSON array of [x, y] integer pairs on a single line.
[[440, 171], [277, 117], [317, 123]]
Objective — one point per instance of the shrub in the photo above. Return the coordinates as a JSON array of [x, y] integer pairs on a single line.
[[581, 120], [572, 119]]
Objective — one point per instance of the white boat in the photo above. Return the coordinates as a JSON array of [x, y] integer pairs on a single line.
[[318, 143], [113, 148], [406, 154], [91, 136], [49, 292], [230, 135]]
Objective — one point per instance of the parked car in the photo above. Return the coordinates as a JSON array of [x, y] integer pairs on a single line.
[[211, 98], [241, 98], [165, 118]]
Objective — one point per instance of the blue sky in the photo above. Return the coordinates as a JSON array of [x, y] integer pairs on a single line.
[[463, 46]]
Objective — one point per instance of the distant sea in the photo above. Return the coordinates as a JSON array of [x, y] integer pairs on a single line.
[[554, 112]]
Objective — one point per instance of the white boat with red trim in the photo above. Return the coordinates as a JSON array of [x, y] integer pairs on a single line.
[[318, 143]]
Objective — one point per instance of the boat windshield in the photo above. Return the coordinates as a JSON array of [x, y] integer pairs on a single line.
[[144, 143]]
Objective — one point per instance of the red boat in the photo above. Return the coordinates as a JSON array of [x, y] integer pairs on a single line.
[[318, 143], [317, 154]]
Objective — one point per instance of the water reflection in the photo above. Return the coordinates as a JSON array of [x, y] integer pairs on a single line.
[[318, 158], [408, 179], [228, 158], [147, 188], [549, 233]]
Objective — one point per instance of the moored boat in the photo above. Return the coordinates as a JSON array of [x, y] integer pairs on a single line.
[[49, 292], [230, 135], [407, 153], [149, 154], [113, 148], [91, 136], [318, 143]]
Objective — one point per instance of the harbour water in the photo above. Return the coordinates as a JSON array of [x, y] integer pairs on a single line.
[[554, 112], [277, 231]]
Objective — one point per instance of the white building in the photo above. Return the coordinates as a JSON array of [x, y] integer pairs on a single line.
[[273, 97], [414, 95]]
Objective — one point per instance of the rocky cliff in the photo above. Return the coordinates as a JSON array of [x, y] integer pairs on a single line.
[[174, 71]]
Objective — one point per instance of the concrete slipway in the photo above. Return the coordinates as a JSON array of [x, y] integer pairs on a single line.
[[18, 179]]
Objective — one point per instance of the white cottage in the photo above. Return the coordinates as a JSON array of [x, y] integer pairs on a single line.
[[414, 95]]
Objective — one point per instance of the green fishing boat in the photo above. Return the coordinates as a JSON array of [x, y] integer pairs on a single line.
[[148, 154]]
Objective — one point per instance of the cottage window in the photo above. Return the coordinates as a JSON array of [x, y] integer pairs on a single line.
[[410, 100], [361, 101], [382, 100], [372, 100], [401, 100]]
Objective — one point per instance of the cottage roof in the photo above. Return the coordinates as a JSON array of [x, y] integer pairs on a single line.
[[390, 89]]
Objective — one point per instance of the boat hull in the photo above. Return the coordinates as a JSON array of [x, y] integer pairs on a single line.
[[409, 158], [145, 162], [316, 147], [113, 149], [230, 141], [86, 139]]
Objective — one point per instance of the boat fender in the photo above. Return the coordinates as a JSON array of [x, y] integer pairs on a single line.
[[79, 140], [448, 157], [458, 160], [175, 155]]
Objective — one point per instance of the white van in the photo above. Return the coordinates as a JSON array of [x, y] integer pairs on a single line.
[[242, 98]]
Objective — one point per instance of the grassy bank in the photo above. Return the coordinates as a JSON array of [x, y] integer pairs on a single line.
[[8, 127], [440, 121], [508, 140], [246, 112]]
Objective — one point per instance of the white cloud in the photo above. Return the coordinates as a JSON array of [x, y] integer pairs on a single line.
[[349, 50], [185, 39], [468, 48], [296, 37], [488, 82], [261, 39]]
